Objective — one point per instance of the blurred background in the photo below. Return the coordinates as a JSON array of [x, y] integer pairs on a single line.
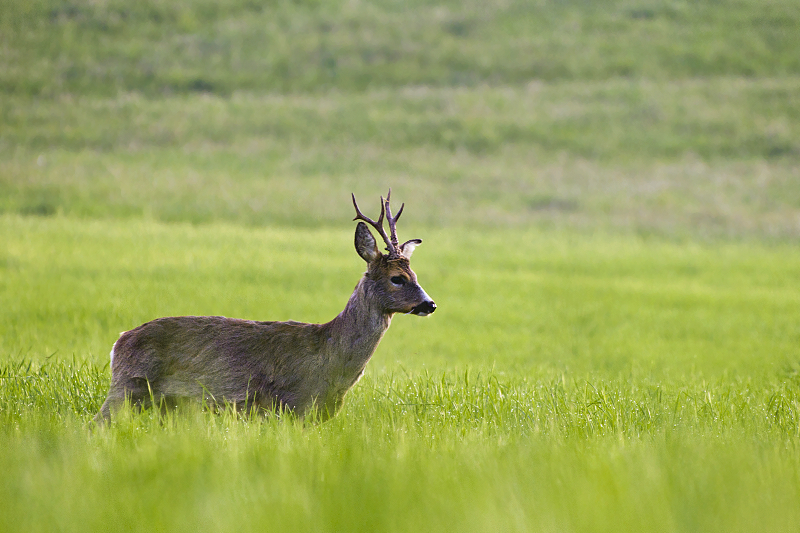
[[679, 118]]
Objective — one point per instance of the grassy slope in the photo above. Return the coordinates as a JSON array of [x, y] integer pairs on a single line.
[[673, 117], [714, 157], [53, 47]]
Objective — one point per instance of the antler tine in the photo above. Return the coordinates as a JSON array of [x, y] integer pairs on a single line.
[[390, 246], [393, 220]]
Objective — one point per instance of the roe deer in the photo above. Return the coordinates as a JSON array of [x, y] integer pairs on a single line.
[[271, 366]]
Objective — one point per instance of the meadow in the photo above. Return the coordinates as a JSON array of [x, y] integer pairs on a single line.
[[609, 198]]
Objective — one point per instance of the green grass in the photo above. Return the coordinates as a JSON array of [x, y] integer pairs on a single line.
[[52, 47], [675, 118], [609, 195], [707, 157], [562, 299], [568, 381], [417, 452]]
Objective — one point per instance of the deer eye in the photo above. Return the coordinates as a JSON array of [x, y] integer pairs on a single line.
[[398, 280]]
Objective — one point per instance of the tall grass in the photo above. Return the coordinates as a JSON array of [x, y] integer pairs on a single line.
[[534, 403], [418, 451]]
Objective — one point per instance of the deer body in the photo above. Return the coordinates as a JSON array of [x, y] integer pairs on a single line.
[[269, 366]]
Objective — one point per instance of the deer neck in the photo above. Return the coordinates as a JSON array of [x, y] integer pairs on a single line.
[[358, 329]]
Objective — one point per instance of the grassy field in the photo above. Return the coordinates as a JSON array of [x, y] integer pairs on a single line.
[[711, 157], [567, 382], [609, 195]]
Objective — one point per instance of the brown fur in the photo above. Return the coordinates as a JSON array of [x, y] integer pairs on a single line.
[[265, 366]]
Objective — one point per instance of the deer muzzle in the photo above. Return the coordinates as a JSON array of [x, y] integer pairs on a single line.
[[427, 307]]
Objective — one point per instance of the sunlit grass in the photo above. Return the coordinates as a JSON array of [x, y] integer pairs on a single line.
[[412, 451], [524, 299], [568, 381]]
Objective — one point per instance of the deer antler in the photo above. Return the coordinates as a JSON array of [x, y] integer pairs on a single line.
[[393, 222], [391, 242]]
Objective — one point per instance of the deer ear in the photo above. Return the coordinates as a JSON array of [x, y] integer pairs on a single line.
[[365, 244], [407, 248]]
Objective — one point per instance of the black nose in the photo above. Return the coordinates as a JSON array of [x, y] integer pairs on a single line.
[[425, 308]]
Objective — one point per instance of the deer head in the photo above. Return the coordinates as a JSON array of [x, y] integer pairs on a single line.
[[394, 281]]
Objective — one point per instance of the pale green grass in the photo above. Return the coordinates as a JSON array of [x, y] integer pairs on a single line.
[[711, 157], [520, 299]]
